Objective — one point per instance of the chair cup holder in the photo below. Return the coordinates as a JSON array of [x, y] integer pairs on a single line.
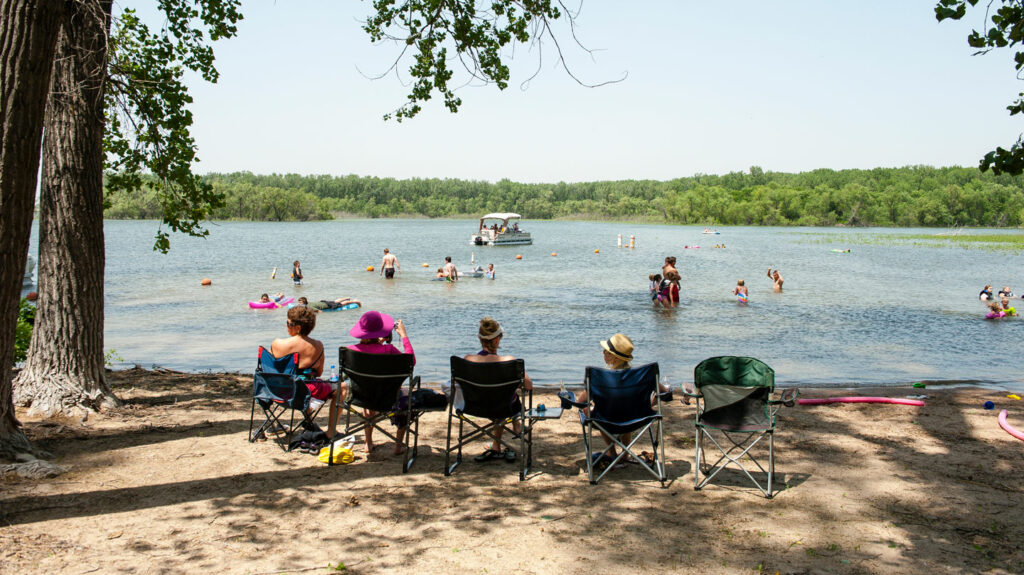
[[566, 398]]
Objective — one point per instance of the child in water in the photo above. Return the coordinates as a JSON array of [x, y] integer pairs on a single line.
[[490, 271], [440, 273], [995, 311], [652, 288], [1010, 311], [296, 273], [740, 291], [264, 298]]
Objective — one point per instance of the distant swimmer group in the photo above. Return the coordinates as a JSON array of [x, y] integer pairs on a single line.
[[664, 288], [1001, 308]]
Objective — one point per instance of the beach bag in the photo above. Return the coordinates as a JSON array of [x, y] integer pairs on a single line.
[[310, 440], [428, 399], [342, 452]]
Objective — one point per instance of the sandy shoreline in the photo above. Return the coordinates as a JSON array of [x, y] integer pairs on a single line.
[[168, 483]]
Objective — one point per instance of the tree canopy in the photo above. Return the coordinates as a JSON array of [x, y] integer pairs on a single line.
[[1004, 20], [910, 196]]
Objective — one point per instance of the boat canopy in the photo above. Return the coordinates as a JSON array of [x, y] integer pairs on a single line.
[[501, 216]]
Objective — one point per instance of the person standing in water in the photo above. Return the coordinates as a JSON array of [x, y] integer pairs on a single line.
[[388, 264], [740, 291], [296, 273], [776, 279], [450, 272]]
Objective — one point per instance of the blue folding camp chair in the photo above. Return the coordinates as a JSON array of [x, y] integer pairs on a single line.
[[278, 389], [622, 401], [734, 401]]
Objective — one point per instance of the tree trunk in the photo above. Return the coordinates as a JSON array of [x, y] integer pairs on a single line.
[[64, 371], [28, 34]]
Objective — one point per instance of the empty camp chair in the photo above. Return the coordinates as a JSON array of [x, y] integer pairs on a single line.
[[734, 401], [375, 381], [277, 388], [494, 392], [620, 402]]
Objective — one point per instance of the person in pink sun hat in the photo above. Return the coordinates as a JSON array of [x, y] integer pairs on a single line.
[[374, 331]]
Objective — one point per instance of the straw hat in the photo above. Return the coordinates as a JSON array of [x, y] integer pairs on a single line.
[[620, 346]]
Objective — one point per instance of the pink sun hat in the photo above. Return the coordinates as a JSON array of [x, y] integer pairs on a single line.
[[372, 325]]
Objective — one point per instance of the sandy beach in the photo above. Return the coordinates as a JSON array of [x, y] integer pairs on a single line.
[[169, 484]]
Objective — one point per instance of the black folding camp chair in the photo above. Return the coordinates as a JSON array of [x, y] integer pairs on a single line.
[[621, 401], [375, 382], [734, 401], [278, 389], [496, 393]]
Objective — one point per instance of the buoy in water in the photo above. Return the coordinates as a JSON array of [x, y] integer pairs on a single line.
[[369, 268], [519, 256], [426, 265], [597, 251], [206, 282], [553, 254], [273, 274]]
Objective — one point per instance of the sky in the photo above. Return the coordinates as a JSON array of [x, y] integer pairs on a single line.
[[709, 88]]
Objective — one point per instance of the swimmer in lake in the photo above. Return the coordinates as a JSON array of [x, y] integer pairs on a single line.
[[322, 305], [986, 293], [450, 272], [740, 291], [776, 280], [388, 265]]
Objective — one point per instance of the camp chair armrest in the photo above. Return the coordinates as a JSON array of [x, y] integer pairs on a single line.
[[689, 390], [788, 397], [568, 400]]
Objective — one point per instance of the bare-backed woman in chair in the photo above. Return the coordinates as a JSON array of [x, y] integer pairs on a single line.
[[490, 334]]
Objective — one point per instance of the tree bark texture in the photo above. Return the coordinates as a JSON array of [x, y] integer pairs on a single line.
[[28, 34], [64, 371]]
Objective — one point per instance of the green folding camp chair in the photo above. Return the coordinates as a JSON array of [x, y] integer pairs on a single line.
[[734, 401]]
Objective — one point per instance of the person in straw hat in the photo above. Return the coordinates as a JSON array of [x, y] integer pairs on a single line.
[[618, 354]]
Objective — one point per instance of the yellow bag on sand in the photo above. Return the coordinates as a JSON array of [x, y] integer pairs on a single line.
[[341, 455]]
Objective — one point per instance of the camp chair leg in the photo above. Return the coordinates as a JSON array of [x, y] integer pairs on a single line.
[[252, 420], [413, 429], [728, 458], [771, 464], [522, 451], [699, 467]]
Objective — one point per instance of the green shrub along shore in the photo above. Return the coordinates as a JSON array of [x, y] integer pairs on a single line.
[[902, 197]]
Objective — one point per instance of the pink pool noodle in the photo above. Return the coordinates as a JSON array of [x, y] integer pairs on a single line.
[[1009, 428], [893, 400]]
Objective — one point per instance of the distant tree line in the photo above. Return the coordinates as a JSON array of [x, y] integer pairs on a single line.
[[909, 196]]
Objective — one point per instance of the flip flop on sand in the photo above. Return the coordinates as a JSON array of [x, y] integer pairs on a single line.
[[488, 455], [646, 456]]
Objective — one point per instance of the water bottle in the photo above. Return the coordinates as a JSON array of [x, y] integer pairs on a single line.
[[334, 374]]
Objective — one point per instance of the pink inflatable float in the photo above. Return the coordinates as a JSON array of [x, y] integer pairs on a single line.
[[270, 304], [892, 400], [1009, 428]]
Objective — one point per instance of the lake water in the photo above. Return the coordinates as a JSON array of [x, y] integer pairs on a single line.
[[886, 313]]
